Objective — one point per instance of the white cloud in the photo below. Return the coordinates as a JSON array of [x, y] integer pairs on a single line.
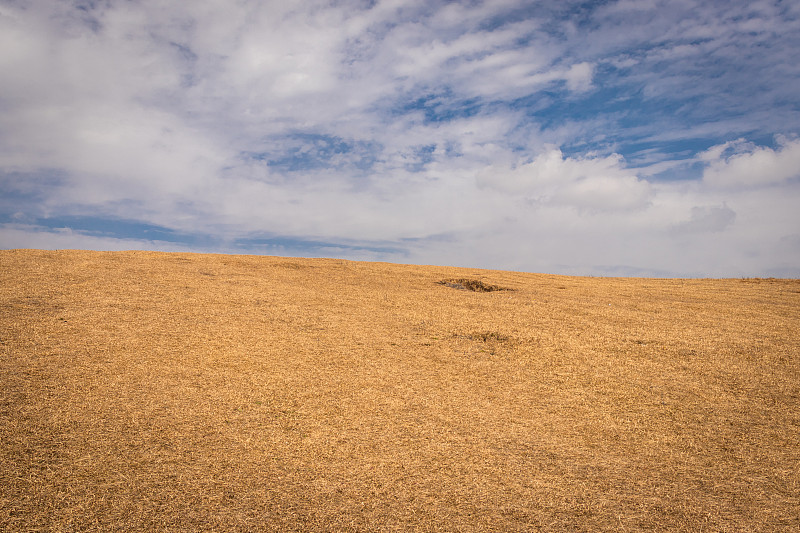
[[707, 219], [739, 163], [579, 77], [593, 183]]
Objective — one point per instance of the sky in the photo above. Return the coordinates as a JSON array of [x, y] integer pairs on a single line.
[[603, 138]]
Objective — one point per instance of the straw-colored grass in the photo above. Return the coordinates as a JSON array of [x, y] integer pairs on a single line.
[[177, 392]]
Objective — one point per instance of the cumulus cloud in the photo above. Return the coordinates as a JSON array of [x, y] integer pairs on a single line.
[[707, 219], [591, 183], [739, 163]]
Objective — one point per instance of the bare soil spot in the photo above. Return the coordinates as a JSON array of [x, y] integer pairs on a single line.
[[474, 285], [484, 336], [291, 265]]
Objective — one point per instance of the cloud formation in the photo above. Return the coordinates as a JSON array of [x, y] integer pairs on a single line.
[[594, 184], [647, 138], [736, 164]]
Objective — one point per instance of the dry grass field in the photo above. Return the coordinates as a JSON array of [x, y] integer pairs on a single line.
[[178, 392]]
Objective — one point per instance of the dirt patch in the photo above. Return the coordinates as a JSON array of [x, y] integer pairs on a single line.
[[291, 265], [474, 285], [484, 336], [487, 342]]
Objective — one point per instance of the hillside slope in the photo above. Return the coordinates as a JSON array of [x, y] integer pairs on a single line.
[[183, 392]]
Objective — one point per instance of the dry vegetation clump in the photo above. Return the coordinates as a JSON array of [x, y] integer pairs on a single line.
[[487, 336], [179, 392], [474, 285]]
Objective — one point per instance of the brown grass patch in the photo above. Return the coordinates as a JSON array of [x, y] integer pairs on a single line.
[[474, 285], [487, 336], [182, 392]]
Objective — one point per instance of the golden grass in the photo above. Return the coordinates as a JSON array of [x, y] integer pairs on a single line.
[[179, 392]]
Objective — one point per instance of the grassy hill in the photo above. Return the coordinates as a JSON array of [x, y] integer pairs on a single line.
[[181, 392]]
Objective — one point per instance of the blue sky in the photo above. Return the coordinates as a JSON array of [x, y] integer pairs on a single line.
[[629, 137]]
